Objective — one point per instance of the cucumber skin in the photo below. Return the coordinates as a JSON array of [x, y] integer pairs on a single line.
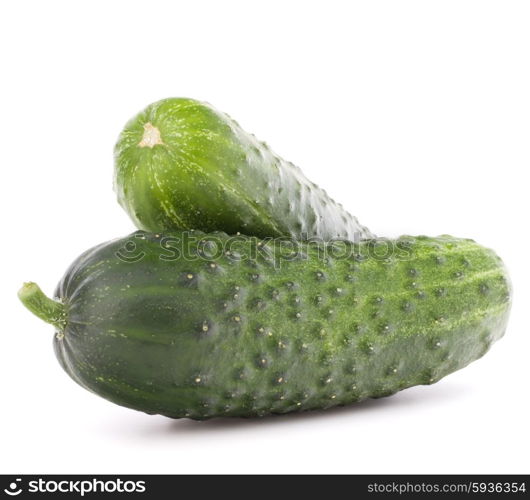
[[212, 175], [202, 338]]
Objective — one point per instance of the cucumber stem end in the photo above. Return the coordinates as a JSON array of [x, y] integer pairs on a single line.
[[38, 303]]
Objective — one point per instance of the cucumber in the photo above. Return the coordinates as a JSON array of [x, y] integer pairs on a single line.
[[205, 325], [181, 164]]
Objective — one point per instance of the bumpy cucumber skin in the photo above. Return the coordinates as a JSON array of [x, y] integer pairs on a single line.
[[209, 174], [200, 338]]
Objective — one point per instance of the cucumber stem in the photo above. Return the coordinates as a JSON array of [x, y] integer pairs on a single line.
[[151, 136], [49, 310]]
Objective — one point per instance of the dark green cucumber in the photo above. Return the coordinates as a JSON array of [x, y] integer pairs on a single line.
[[199, 326], [181, 164]]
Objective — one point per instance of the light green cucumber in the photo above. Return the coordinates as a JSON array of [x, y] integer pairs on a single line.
[[182, 164]]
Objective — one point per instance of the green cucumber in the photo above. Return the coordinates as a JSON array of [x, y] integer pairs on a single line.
[[181, 164], [203, 325]]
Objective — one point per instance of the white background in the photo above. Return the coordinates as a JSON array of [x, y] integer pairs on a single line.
[[414, 114]]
